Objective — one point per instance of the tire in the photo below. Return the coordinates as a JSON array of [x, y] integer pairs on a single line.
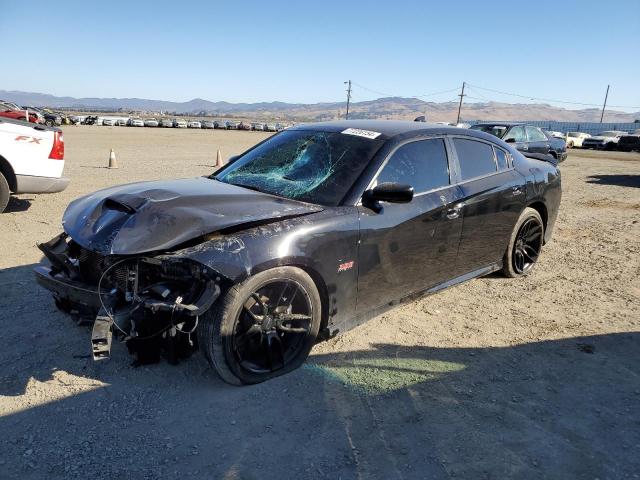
[[510, 267], [4, 193], [217, 335], [569, 144], [49, 123]]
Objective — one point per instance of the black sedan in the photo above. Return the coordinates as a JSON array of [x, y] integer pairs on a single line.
[[526, 138], [310, 232]]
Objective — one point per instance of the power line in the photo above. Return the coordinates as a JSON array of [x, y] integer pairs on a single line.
[[377, 92], [529, 97]]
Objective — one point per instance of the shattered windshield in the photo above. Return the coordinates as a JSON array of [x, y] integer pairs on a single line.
[[307, 165]]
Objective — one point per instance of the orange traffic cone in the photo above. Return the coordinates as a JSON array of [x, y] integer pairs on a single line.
[[113, 163], [219, 160]]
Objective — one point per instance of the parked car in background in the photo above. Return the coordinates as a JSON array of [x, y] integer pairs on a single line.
[[232, 125], [31, 159], [151, 122], [257, 126], [607, 140], [47, 117], [194, 124], [121, 122], [179, 123], [280, 127], [220, 124], [11, 110], [269, 127], [166, 123], [575, 139], [92, 120], [526, 138], [629, 143], [555, 134], [208, 124], [135, 122], [108, 122], [312, 232], [244, 126]]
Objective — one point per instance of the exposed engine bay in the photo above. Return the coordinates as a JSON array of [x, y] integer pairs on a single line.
[[151, 303]]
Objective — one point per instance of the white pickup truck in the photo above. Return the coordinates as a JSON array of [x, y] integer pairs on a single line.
[[31, 159]]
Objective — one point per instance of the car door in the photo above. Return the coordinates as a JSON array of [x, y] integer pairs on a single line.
[[537, 140], [517, 137], [405, 248], [493, 196]]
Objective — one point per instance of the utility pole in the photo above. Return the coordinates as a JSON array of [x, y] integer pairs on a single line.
[[605, 103], [461, 95], [348, 97]]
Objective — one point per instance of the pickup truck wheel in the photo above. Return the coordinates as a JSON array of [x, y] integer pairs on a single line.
[[263, 327], [4, 193]]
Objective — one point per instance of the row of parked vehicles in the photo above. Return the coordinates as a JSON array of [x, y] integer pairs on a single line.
[[32, 114], [607, 140], [181, 123]]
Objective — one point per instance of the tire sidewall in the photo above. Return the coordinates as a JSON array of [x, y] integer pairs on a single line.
[[221, 321], [526, 214], [4, 193]]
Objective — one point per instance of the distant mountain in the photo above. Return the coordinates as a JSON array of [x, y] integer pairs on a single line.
[[383, 108]]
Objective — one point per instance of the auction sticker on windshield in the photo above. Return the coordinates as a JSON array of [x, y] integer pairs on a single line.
[[361, 133]]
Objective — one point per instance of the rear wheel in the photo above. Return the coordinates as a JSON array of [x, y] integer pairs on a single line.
[[569, 144], [525, 244], [4, 193], [264, 327]]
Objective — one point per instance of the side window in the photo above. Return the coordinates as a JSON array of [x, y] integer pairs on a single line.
[[517, 133], [422, 164], [476, 158], [501, 158], [535, 135]]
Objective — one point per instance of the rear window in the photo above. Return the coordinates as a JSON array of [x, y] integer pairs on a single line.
[[476, 158]]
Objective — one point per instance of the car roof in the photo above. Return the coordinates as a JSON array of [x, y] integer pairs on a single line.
[[502, 124], [387, 128]]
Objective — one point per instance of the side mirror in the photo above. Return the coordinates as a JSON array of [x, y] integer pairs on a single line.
[[510, 140], [388, 192]]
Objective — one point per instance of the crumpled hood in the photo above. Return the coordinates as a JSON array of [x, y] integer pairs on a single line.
[[152, 216]]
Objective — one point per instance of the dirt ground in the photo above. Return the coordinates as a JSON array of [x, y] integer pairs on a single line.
[[529, 378]]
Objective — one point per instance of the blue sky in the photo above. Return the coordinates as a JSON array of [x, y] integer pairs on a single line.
[[303, 51]]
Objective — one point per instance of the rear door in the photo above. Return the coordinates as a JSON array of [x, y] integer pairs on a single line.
[[493, 196], [410, 247], [537, 140]]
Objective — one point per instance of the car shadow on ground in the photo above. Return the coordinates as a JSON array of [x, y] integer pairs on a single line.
[[617, 180], [556, 409], [18, 204]]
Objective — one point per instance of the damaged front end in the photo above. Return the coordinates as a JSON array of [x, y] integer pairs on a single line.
[[151, 302]]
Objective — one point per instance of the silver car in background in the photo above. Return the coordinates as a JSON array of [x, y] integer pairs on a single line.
[[231, 125], [135, 122], [208, 124], [179, 123], [194, 124], [259, 127], [151, 122], [220, 124], [166, 123]]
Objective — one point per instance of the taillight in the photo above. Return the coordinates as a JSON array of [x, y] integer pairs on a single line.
[[57, 151]]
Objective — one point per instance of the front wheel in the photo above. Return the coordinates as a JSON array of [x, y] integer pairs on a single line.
[[525, 244], [4, 193], [263, 327]]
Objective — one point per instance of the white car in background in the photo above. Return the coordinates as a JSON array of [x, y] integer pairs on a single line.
[[555, 134], [179, 123], [194, 124], [31, 159], [575, 139], [604, 140], [166, 123], [208, 124], [121, 122], [270, 127], [151, 122], [135, 122], [259, 127], [108, 122]]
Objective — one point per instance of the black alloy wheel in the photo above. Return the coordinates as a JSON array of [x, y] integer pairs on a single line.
[[271, 328], [528, 244]]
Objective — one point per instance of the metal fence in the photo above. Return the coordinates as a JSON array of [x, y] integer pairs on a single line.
[[591, 128]]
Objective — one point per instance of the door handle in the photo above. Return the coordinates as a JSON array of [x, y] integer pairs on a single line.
[[516, 191], [524, 147], [454, 212]]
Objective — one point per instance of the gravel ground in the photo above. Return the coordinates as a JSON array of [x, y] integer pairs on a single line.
[[496, 378]]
